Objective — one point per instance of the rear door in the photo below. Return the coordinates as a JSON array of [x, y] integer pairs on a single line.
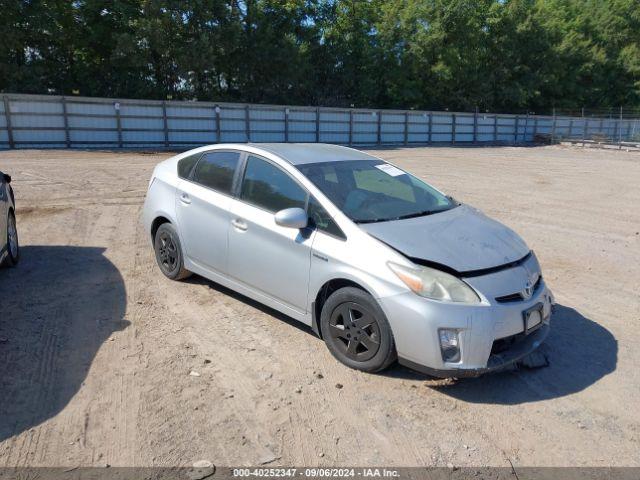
[[271, 259], [202, 204]]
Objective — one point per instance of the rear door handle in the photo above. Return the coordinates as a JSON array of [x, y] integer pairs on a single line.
[[184, 198], [239, 224]]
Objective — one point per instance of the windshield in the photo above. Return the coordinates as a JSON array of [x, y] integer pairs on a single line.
[[374, 191]]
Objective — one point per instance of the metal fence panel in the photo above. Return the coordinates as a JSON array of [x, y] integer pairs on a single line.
[[88, 136], [37, 121], [90, 109], [32, 137], [335, 137], [42, 106], [182, 138], [308, 137], [199, 124], [33, 121], [190, 111]]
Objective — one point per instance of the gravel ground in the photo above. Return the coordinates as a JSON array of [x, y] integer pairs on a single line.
[[96, 346]]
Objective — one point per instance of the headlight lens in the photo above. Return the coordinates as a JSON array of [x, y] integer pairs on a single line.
[[435, 284]]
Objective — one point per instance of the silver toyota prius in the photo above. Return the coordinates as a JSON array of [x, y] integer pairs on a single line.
[[380, 264]]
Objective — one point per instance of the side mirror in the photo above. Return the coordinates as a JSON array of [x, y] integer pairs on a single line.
[[292, 218], [7, 177]]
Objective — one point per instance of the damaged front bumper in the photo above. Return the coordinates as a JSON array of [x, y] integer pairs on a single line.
[[491, 336], [498, 361]]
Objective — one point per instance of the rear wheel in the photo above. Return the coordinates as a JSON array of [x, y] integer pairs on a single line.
[[356, 330], [169, 252], [13, 246]]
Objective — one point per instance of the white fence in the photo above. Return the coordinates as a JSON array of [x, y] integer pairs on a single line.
[[42, 121]]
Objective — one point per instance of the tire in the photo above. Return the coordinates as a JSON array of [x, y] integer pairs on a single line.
[[169, 252], [13, 246], [356, 330]]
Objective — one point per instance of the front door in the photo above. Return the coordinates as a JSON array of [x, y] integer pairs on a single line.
[[266, 257]]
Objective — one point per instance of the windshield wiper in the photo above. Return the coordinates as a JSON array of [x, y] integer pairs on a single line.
[[374, 220], [417, 214], [401, 217]]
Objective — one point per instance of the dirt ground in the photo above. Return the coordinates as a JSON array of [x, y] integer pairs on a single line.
[[96, 346]]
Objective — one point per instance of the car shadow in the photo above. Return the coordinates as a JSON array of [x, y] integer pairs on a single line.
[[57, 307], [580, 352], [198, 280]]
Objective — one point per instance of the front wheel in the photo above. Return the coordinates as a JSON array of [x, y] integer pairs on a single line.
[[13, 246], [169, 252], [356, 330]]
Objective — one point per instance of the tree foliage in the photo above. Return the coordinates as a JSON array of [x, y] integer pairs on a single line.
[[500, 55]]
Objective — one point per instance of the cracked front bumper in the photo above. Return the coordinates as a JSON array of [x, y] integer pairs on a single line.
[[495, 363], [415, 322]]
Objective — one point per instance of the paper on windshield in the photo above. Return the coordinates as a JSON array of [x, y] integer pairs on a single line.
[[390, 170]]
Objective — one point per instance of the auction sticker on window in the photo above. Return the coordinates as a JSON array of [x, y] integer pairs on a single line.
[[390, 169]]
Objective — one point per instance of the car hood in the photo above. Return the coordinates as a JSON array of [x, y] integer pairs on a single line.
[[462, 238]]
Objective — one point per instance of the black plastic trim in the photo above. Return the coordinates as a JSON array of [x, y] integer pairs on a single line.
[[434, 265], [314, 320], [471, 273], [506, 266]]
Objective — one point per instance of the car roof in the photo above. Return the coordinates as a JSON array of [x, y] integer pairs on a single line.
[[305, 153]]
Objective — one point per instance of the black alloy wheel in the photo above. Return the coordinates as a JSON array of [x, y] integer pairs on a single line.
[[356, 330], [13, 247], [169, 252]]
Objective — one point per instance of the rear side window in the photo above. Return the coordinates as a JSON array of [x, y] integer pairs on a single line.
[[186, 165], [322, 221], [215, 170], [266, 186]]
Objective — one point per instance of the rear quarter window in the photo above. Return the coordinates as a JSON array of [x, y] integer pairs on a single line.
[[186, 164]]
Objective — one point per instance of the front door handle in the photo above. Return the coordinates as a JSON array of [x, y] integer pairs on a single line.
[[184, 198], [239, 224]]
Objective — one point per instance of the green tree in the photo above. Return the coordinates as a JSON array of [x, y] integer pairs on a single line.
[[501, 55]]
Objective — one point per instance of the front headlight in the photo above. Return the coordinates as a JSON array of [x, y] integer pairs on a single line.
[[435, 284]]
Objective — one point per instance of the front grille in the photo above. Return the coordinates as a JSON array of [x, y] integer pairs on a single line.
[[503, 344], [517, 297], [514, 297]]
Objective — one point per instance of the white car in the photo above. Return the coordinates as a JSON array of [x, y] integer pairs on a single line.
[[9, 247], [380, 264]]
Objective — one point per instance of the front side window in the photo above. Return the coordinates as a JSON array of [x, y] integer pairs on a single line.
[[216, 169], [373, 191], [266, 186]]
